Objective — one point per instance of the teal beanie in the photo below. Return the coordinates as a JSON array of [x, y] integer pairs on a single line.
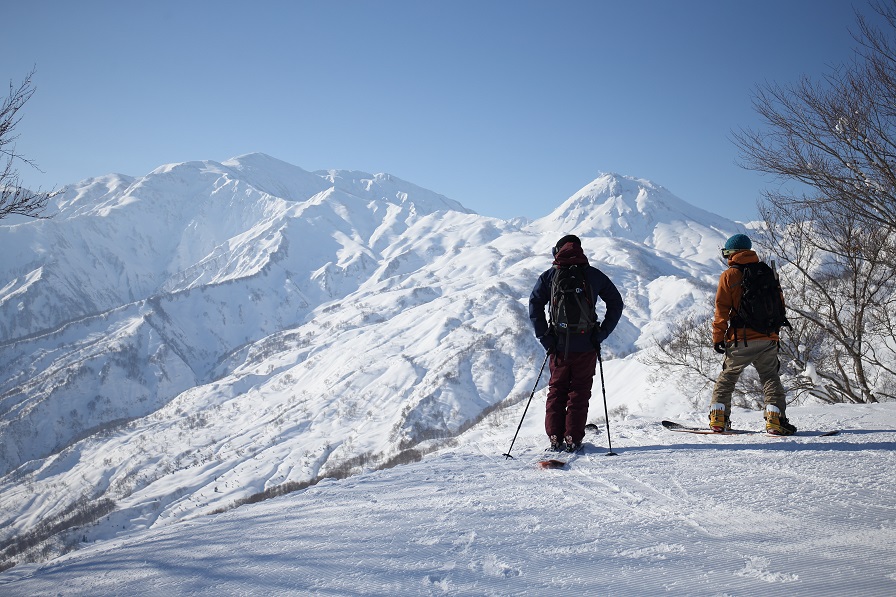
[[738, 242]]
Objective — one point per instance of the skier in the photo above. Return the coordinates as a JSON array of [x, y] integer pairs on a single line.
[[743, 346], [573, 356]]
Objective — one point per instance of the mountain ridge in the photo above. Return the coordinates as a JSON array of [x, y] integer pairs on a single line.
[[190, 312]]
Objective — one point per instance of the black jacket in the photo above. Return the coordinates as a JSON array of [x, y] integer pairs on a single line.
[[601, 286]]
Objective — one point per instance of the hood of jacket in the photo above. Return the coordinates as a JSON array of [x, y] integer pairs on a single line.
[[743, 257], [570, 254]]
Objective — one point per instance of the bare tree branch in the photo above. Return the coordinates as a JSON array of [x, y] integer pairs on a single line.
[[837, 239], [14, 197]]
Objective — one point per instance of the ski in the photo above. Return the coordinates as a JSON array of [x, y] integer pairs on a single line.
[[563, 459], [673, 426]]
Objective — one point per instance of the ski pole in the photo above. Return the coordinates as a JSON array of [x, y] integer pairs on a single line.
[[540, 371], [604, 392]]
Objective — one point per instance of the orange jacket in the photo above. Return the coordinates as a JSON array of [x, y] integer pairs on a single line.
[[728, 299]]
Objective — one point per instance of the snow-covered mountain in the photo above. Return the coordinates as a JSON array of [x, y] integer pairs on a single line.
[[177, 342]]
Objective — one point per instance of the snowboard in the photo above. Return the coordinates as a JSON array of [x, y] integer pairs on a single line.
[[673, 426]]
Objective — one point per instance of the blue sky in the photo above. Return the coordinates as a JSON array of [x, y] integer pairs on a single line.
[[507, 106]]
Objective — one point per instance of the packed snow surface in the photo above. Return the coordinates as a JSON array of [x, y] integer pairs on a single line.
[[671, 514]]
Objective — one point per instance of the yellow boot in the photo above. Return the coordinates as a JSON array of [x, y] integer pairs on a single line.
[[718, 420], [776, 423]]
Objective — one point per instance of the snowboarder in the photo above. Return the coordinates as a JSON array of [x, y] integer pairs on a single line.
[[743, 345], [573, 353]]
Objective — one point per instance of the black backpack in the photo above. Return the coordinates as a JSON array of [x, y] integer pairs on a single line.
[[572, 304], [761, 303]]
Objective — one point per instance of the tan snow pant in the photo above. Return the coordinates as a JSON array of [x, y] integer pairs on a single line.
[[763, 355]]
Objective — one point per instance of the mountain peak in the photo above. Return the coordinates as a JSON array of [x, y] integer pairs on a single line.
[[627, 207], [275, 177]]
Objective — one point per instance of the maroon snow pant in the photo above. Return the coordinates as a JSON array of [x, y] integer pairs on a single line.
[[566, 410]]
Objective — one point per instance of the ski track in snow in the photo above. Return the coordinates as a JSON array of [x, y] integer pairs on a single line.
[[671, 514]]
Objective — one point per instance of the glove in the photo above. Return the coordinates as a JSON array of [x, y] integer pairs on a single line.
[[719, 347], [597, 337], [549, 341]]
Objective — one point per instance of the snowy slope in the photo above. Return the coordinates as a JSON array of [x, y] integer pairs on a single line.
[[672, 514], [177, 342]]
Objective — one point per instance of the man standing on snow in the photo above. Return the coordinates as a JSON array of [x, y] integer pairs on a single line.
[[743, 346], [573, 356]]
